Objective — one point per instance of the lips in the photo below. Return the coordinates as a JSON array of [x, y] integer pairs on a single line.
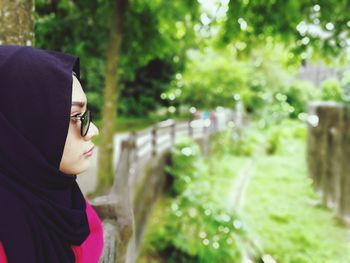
[[89, 150]]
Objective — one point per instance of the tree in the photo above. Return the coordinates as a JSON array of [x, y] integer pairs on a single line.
[[219, 78], [83, 27], [16, 22], [306, 26], [111, 94]]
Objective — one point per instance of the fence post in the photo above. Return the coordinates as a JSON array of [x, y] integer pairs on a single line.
[[154, 140], [133, 138], [319, 159], [333, 173], [204, 127], [172, 133], [205, 138], [324, 150], [190, 129], [344, 209], [121, 192]]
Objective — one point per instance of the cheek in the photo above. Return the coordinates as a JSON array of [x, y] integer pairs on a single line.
[[73, 145], [71, 153], [73, 132], [73, 161]]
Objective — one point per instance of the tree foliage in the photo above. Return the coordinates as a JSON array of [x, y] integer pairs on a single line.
[[82, 28], [306, 26], [219, 78], [331, 90]]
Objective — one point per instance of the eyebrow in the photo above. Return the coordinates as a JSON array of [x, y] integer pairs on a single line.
[[80, 104]]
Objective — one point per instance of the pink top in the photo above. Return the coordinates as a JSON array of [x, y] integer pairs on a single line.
[[91, 249]]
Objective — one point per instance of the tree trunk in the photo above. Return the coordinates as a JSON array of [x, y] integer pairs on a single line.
[[111, 93], [16, 22]]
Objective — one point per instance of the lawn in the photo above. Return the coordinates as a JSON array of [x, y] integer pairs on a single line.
[[279, 208], [284, 211]]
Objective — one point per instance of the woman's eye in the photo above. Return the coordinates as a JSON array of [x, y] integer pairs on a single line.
[[77, 115]]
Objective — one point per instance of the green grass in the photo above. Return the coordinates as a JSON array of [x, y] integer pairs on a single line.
[[223, 172], [281, 207]]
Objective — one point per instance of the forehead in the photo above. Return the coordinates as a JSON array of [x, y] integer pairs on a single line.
[[77, 91]]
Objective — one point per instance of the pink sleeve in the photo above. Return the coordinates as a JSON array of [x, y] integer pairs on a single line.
[[3, 258], [91, 249]]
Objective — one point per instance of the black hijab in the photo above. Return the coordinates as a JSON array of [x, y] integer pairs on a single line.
[[42, 210]]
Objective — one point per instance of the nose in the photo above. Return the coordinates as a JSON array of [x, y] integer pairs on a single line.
[[93, 131]]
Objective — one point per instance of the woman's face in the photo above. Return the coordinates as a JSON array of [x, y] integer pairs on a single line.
[[74, 161]]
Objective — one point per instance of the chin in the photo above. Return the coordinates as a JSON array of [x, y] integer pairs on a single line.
[[83, 168], [76, 170], [77, 167]]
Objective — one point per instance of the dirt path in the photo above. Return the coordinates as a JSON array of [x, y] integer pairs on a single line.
[[240, 184]]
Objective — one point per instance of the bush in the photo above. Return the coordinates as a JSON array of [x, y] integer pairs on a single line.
[[270, 139], [195, 225], [298, 96], [234, 142], [183, 169], [330, 90], [279, 138], [191, 229], [273, 141]]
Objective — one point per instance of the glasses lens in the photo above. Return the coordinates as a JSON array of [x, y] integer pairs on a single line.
[[86, 123]]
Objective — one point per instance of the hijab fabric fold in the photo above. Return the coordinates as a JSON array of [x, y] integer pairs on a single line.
[[42, 209]]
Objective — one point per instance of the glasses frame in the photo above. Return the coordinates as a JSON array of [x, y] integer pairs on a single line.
[[86, 114]]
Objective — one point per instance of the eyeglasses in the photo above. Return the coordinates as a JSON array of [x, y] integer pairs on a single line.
[[85, 121]]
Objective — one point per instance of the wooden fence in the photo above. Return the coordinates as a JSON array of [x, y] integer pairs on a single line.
[[328, 154], [139, 179]]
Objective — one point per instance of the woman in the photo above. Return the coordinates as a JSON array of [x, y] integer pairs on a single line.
[[45, 131]]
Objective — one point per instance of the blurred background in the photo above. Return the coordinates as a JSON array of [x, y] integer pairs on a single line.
[[223, 123]]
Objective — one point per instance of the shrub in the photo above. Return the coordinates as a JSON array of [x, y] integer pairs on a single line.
[[331, 90], [183, 169], [279, 138], [298, 96], [234, 142], [190, 229], [195, 225]]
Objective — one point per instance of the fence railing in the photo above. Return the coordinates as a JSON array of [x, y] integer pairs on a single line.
[[117, 209], [328, 154]]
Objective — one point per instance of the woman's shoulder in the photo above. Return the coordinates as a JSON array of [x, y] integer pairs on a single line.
[[3, 258], [95, 223], [91, 214], [91, 249]]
